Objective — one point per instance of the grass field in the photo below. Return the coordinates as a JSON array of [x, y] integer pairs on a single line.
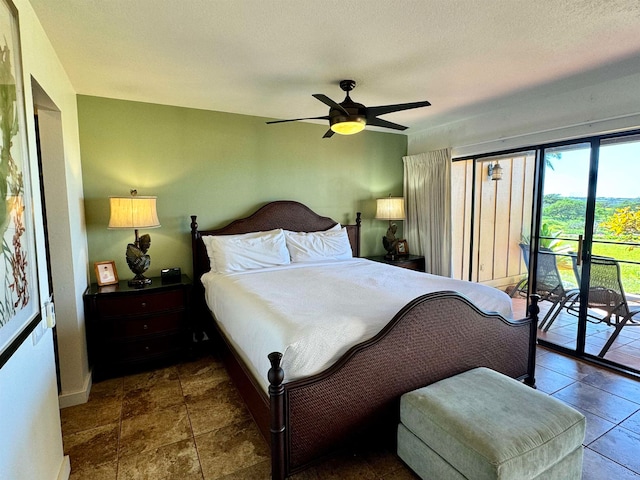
[[629, 272]]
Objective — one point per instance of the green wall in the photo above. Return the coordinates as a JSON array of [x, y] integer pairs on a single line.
[[220, 166]]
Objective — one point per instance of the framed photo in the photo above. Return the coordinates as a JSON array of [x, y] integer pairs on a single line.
[[19, 300], [106, 273], [403, 247]]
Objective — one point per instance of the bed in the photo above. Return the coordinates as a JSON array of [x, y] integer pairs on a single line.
[[402, 337]]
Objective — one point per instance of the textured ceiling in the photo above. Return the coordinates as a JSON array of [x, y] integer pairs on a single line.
[[266, 57]]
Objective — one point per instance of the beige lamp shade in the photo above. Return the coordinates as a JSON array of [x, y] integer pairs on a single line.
[[390, 208], [133, 212]]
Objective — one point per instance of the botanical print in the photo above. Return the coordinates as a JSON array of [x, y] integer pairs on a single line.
[[14, 259], [19, 301]]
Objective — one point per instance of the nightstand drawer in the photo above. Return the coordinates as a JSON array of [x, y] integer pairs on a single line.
[[149, 347], [141, 304], [136, 327]]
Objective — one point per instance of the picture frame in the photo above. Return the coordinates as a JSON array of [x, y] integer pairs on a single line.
[[403, 247], [19, 301], [106, 273]]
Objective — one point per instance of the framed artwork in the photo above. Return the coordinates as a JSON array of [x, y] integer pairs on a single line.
[[403, 247], [19, 301], [106, 273]]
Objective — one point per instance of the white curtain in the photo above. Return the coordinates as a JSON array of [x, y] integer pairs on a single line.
[[427, 192]]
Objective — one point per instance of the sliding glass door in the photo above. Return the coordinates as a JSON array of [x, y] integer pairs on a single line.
[[588, 237], [575, 206]]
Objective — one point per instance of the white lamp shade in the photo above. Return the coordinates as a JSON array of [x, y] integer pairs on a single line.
[[133, 212], [390, 208]]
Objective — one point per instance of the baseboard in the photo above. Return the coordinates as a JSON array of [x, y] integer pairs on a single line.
[[76, 398], [65, 469]]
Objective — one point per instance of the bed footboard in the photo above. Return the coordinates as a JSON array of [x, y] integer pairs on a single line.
[[433, 337]]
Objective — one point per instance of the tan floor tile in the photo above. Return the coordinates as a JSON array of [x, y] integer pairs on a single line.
[[346, 467], [149, 431], [167, 393], [92, 447], [259, 471], [106, 471], [216, 408], [403, 474], [205, 379], [231, 449], [95, 413], [382, 461], [150, 379], [112, 388], [176, 461], [200, 366]]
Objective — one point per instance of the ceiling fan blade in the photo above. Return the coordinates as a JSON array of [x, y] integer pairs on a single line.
[[327, 101], [381, 110], [378, 122], [329, 134], [326, 117]]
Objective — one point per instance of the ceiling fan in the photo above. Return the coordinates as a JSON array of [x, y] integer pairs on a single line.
[[349, 117]]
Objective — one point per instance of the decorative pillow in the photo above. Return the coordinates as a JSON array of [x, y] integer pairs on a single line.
[[248, 251], [318, 246]]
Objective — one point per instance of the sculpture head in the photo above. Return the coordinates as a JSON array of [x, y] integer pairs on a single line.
[[145, 242]]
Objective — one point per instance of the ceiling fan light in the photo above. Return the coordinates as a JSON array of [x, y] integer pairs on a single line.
[[349, 126]]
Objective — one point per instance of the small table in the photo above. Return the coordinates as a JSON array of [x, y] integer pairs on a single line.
[[133, 328], [410, 262]]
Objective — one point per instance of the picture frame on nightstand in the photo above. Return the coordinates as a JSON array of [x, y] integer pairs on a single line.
[[403, 247], [106, 273]]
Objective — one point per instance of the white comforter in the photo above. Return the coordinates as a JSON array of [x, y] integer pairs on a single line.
[[313, 313]]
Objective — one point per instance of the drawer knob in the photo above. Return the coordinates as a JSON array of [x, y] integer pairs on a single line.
[[145, 326], [144, 304], [146, 349]]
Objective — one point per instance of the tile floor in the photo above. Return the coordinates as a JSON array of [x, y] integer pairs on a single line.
[[188, 422], [625, 350]]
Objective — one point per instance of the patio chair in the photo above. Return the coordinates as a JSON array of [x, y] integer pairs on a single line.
[[548, 282], [606, 294]]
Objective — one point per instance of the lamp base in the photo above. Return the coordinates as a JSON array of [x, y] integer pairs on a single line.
[[139, 281]]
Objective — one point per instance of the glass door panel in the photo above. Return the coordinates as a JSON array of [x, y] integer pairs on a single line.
[[616, 236], [562, 227]]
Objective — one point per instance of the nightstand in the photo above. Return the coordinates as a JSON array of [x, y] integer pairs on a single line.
[[411, 262], [129, 329]]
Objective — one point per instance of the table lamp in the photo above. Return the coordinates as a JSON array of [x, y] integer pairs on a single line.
[[390, 208], [135, 212]]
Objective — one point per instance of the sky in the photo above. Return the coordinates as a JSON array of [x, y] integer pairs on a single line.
[[618, 172]]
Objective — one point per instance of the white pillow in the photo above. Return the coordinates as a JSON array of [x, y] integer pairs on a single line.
[[248, 251], [318, 246]]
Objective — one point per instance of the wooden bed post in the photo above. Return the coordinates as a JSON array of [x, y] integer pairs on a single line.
[[358, 225], [276, 396], [534, 309]]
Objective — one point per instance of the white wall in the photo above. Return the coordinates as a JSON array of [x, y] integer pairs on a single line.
[[30, 438], [603, 100]]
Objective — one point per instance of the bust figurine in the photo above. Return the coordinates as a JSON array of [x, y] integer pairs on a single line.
[[389, 241], [137, 257]]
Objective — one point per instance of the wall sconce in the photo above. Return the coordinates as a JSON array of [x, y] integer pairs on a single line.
[[495, 171], [390, 208], [135, 212]]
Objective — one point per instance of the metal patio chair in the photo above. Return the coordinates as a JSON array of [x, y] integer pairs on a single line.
[[548, 283], [606, 294]]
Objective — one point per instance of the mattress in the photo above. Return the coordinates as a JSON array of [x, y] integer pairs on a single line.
[[313, 313]]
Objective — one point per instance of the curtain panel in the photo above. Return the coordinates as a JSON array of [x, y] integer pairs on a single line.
[[427, 192]]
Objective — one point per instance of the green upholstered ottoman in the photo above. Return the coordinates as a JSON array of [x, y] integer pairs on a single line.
[[481, 424]]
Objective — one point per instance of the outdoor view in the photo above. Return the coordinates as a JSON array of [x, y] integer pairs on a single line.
[[616, 236], [617, 213]]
